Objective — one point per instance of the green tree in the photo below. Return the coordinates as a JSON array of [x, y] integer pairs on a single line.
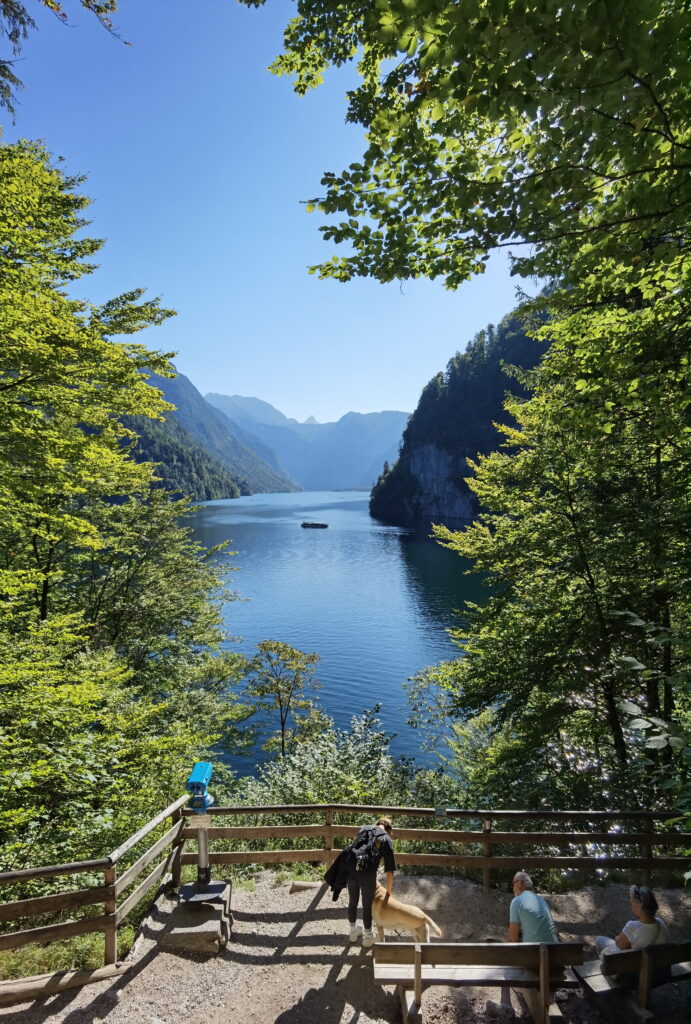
[[558, 129], [338, 765], [111, 676], [562, 132], [587, 515], [279, 680]]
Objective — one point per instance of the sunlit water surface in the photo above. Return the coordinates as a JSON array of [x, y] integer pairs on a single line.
[[373, 601]]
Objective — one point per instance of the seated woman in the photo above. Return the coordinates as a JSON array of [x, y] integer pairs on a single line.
[[646, 930]]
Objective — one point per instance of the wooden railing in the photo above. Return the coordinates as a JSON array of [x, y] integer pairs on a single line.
[[590, 843], [593, 847], [105, 896]]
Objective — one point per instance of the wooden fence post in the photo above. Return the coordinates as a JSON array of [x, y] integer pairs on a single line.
[[111, 906], [178, 844], [647, 850], [328, 831], [487, 852]]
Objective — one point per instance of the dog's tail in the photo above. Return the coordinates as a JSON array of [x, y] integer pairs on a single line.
[[434, 927]]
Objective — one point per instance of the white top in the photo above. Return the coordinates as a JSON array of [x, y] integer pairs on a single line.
[[640, 935]]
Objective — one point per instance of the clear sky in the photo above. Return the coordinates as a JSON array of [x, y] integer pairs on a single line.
[[197, 162]]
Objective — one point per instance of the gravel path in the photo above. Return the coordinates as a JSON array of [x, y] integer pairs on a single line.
[[289, 962]]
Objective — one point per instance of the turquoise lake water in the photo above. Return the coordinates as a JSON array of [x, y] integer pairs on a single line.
[[373, 601]]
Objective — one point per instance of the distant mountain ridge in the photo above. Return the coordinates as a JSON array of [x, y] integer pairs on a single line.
[[321, 456], [253, 466]]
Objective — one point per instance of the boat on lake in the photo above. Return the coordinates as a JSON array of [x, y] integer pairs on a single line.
[[314, 526]]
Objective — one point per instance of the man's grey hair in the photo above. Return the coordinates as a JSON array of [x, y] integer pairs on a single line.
[[524, 877]]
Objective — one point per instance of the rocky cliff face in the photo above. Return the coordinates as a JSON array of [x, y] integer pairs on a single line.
[[455, 419], [440, 495]]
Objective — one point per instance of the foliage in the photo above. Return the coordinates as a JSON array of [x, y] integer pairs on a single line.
[[589, 510], [335, 766], [562, 128], [182, 464], [15, 25], [111, 676], [457, 413], [279, 678]]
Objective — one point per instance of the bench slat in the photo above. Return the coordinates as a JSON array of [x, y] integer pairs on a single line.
[[480, 975], [500, 976], [509, 954]]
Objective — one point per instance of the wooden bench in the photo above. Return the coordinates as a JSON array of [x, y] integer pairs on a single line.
[[607, 982], [413, 967]]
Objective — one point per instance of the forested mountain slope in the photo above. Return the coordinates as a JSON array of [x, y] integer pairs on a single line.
[[454, 420], [320, 456], [182, 464], [245, 457]]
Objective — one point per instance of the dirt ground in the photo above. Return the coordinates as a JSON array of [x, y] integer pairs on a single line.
[[290, 962]]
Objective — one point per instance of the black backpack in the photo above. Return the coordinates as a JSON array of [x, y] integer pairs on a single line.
[[366, 850]]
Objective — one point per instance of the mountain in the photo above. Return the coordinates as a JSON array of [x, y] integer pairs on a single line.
[[321, 456], [454, 421], [243, 456], [183, 465]]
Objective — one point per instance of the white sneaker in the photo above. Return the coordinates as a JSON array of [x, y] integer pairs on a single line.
[[367, 938], [355, 932]]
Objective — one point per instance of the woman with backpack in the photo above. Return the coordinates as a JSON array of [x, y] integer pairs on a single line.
[[373, 844]]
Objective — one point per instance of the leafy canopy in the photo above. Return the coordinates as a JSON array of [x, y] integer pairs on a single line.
[[548, 127], [110, 629]]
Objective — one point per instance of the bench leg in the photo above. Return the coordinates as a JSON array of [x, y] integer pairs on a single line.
[[411, 1011], [533, 1001]]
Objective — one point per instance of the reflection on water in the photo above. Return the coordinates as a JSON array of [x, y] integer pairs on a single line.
[[373, 601]]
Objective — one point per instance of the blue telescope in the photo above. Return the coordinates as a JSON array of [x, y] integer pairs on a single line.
[[197, 784]]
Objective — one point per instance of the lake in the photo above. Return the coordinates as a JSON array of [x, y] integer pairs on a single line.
[[373, 601]]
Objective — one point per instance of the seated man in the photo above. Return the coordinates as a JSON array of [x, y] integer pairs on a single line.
[[530, 919]]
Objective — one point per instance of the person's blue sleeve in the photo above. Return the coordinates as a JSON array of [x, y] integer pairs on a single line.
[[514, 915]]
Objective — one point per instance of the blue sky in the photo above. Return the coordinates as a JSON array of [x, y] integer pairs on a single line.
[[197, 162]]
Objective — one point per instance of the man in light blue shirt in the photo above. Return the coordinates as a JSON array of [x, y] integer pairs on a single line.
[[530, 919]]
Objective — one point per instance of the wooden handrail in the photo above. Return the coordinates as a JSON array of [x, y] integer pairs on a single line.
[[451, 812], [59, 901], [52, 870], [106, 895], [125, 847], [262, 832]]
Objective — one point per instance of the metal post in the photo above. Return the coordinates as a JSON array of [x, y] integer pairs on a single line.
[[203, 868]]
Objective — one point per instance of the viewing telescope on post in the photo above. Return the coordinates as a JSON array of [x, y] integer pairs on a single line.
[[202, 918], [200, 801]]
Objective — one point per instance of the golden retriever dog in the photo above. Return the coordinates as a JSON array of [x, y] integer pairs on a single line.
[[391, 913]]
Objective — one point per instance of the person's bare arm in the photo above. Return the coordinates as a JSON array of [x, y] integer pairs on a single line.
[[622, 941], [389, 882], [514, 932]]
